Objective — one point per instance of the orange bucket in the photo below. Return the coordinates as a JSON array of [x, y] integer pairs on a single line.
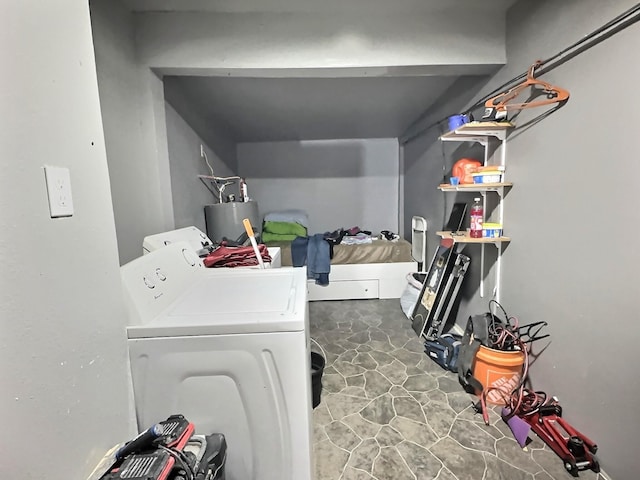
[[499, 370]]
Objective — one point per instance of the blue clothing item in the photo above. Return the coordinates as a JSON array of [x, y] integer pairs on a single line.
[[299, 251], [318, 261]]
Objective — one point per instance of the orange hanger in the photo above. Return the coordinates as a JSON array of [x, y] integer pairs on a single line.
[[496, 107]]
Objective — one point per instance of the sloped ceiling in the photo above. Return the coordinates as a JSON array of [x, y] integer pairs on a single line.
[[266, 109]]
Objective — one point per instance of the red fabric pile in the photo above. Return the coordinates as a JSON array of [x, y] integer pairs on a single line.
[[225, 256]]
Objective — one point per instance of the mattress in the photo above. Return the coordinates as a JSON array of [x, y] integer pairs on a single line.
[[380, 251]]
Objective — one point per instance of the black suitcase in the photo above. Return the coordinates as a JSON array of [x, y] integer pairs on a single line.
[[440, 290]]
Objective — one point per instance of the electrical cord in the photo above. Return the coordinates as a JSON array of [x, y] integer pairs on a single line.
[[214, 183], [215, 472], [505, 335], [324, 354], [180, 458]]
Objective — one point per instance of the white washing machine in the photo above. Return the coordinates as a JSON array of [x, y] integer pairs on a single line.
[[229, 351], [198, 241]]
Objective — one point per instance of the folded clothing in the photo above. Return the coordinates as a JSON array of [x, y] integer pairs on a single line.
[[284, 228], [225, 256], [270, 238], [356, 231], [358, 239], [290, 216], [388, 235]]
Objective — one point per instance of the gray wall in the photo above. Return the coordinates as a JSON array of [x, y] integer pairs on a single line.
[[189, 193], [214, 133], [64, 395], [427, 163], [339, 183], [132, 102], [566, 265], [217, 43]]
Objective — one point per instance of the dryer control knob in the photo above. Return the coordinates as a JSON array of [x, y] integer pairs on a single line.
[[190, 256], [161, 276], [148, 282]]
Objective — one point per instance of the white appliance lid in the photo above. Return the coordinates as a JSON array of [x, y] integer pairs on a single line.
[[238, 294], [269, 301]]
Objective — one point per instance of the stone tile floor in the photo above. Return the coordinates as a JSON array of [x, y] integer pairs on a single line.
[[388, 412]]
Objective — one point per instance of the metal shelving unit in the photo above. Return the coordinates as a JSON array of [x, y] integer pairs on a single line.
[[493, 137]]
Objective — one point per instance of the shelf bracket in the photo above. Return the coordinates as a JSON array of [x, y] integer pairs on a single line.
[[482, 271], [459, 247], [498, 273]]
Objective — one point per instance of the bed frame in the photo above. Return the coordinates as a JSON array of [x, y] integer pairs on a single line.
[[360, 281], [373, 280]]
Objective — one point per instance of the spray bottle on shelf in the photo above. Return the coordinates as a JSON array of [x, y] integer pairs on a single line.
[[477, 218]]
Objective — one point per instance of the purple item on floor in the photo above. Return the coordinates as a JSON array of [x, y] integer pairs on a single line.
[[519, 427]]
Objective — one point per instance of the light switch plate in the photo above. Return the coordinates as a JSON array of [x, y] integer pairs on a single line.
[[59, 191]]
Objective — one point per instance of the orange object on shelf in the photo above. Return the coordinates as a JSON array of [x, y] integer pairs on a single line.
[[465, 168]]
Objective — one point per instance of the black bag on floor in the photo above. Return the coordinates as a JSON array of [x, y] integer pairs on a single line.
[[444, 350], [476, 333]]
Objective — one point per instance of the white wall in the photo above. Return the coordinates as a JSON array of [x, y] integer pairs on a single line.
[[132, 102], [189, 194], [340, 183], [63, 370]]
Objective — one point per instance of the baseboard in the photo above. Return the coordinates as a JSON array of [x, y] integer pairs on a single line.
[[457, 329]]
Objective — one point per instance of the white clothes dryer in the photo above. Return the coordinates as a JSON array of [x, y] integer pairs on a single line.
[[198, 240], [229, 351]]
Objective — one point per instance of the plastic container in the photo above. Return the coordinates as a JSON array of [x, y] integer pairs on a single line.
[[456, 121], [491, 230], [476, 219], [489, 176], [498, 371], [454, 181], [317, 368]]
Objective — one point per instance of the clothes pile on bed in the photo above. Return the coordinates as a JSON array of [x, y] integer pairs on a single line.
[[356, 236], [289, 230]]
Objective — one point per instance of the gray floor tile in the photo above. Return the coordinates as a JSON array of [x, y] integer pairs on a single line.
[[423, 464], [464, 463], [379, 410], [390, 465], [470, 435], [389, 412], [363, 456]]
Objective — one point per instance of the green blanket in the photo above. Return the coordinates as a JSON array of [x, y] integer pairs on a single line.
[[284, 228], [268, 237]]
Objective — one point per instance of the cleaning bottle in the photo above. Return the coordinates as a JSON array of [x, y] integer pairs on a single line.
[[244, 192], [477, 217]]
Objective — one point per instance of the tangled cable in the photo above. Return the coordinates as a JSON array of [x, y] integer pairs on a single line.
[[506, 335]]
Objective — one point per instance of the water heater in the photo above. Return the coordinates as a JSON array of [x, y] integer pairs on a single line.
[[225, 219]]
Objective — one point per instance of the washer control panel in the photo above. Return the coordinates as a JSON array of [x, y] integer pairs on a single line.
[[151, 283], [194, 236]]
